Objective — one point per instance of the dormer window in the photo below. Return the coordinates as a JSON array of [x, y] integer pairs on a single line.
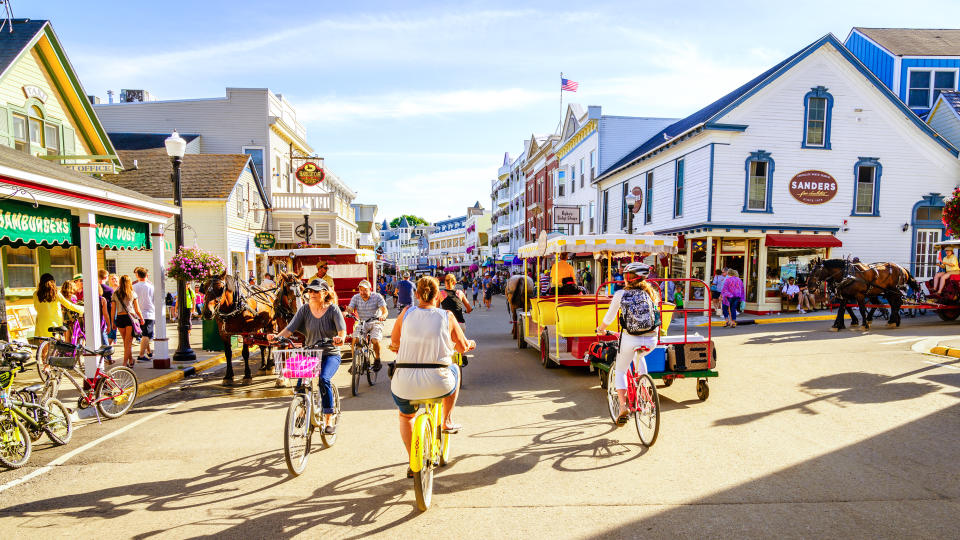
[[924, 86], [817, 111]]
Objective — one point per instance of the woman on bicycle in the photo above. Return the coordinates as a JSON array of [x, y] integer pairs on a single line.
[[47, 301], [125, 312], [320, 318], [453, 300], [635, 284], [425, 338]]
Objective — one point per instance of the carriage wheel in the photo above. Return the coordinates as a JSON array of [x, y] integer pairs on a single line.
[[948, 314], [545, 350], [521, 342]]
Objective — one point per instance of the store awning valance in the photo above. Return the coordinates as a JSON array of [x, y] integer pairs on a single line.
[[803, 240], [117, 233], [21, 222]]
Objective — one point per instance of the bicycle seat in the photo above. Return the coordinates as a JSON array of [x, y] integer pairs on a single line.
[[642, 348], [17, 356], [57, 329], [34, 388], [426, 401], [104, 350]]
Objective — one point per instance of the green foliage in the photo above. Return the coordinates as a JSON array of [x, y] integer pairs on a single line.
[[412, 220]]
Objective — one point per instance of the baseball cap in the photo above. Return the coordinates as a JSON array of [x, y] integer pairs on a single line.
[[318, 285], [364, 283]]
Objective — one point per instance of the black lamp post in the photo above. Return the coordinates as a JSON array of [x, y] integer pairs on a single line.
[[630, 200], [305, 230], [176, 147]]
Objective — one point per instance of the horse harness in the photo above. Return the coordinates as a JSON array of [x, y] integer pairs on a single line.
[[850, 278]]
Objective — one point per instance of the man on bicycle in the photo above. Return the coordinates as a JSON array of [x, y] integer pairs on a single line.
[[366, 305], [404, 292]]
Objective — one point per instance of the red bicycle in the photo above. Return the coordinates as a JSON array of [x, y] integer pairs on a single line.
[[642, 399]]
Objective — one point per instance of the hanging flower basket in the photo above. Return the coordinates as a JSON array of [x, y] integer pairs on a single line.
[[194, 264], [951, 214]]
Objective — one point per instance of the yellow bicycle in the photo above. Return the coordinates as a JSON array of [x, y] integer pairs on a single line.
[[429, 448]]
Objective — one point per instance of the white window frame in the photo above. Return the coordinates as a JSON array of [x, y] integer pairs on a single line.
[[35, 266], [933, 71]]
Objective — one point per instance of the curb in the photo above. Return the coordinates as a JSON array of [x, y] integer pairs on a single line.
[[778, 320], [167, 379], [945, 351]]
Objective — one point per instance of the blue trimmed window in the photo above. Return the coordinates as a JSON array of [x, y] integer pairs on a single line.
[[866, 194], [648, 202], [758, 187], [817, 114], [678, 189]]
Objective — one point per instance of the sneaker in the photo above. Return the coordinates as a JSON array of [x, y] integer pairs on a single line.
[[377, 365], [330, 430], [802, 311], [142, 359]]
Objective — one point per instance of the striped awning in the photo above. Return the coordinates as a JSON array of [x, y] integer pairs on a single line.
[[595, 243]]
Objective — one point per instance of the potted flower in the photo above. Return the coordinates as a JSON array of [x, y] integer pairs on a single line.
[[194, 264]]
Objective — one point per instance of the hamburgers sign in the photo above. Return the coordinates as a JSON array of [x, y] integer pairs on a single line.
[[813, 187]]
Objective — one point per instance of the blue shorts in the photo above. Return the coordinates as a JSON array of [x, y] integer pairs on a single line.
[[404, 404]]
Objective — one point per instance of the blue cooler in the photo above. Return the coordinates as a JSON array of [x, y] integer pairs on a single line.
[[657, 359]]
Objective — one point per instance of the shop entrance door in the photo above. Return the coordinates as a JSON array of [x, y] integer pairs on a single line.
[[925, 256], [733, 261]]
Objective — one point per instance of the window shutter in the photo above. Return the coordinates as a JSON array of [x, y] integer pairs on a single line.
[[69, 142]]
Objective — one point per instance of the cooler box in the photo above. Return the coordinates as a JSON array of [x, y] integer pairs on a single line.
[[657, 360]]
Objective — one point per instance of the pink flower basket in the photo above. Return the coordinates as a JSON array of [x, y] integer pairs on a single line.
[[300, 366]]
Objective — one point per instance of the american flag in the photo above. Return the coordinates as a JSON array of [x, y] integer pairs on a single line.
[[568, 85]]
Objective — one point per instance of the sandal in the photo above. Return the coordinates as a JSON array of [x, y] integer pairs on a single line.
[[452, 428], [623, 417], [409, 472]]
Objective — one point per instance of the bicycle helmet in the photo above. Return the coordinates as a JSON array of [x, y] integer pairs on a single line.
[[637, 268]]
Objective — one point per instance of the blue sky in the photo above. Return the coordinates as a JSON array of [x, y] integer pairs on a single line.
[[414, 103]]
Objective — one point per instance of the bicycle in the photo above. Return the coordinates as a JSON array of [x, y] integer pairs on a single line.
[[77, 337], [429, 448], [304, 414], [112, 392], [23, 417], [363, 352], [642, 400]]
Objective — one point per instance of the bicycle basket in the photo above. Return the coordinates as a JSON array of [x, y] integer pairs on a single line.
[[63, 355], [297, 363]]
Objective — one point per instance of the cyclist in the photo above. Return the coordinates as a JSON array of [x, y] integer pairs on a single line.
[[638, 301], [425, 338], [366, 305], [453, 300], [404, 292], [321, 318]]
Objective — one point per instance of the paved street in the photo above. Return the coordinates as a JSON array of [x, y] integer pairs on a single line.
[[806, 433]]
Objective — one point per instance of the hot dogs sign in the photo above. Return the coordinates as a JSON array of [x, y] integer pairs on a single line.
[[813, 187]]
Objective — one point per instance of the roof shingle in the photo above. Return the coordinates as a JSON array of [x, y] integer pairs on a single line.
[[11, 43], [203, 176], [916, 41]]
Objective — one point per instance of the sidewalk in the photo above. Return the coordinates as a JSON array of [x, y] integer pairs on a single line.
[[773, 318], [947, 347]]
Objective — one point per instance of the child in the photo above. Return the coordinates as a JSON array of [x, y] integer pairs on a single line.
[[678, 299]]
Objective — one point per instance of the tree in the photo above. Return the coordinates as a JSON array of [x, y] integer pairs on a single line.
[[412, 220]]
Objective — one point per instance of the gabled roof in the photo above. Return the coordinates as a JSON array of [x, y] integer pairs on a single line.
[[203, 176], [708, 116], [575, 114], [949, 99], [12, 43], [915, 41], [143, 141], [477, 205], [404, 223]]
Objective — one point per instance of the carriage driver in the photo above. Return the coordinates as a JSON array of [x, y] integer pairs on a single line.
[[950, 268], [365, 305]]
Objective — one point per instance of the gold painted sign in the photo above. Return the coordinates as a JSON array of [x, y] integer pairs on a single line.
[[264, 240], [813, 187], [309, 174], [92, 168]]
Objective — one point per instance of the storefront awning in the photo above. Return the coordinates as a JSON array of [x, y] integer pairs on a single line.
[[21, 222], [803, 240], [117, 233]]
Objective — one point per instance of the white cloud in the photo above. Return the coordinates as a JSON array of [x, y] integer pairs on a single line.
[[433, 194]]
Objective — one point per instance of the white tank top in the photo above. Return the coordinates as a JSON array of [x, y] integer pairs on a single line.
[[424, 339]]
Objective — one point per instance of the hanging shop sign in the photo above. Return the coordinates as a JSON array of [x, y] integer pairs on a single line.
[[265, 240], [309, 174], [92, 168], [813, 187], [566, 215], [22, 222], [117, 233]]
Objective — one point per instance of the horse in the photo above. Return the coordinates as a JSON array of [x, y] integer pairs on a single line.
[[223, 299], [859, 282], [515, 295]]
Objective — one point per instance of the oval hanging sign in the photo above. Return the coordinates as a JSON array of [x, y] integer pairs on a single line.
[[309, 174], [264, 240], [813, 187]]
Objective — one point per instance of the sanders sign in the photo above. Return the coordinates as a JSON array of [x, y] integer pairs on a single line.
[[813, 187], [309, 174]]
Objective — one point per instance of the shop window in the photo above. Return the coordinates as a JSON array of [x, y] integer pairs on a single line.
[[924, 86], [866, 195], [648, 202], [63, 263], [51, 140], [256, 155], [817, 111], [22, 268], [758, 188], [20, 141], [678, 189]]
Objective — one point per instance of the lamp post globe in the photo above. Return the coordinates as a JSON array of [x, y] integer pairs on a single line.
[[176, 147], [630, 200]]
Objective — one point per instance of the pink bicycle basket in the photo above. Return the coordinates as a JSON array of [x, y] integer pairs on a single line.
[[300, 366]]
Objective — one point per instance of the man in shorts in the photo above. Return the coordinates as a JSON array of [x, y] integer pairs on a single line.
[[144, 291], [366, 305]]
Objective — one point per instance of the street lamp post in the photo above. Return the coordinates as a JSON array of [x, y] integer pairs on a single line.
[[176, 147], [630, 200], [305, 230]]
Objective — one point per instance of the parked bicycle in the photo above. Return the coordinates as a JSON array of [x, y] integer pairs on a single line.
[[642, 399], [362, 363], [112, 392], [305, 413], [429, 448], [77, 337], [24, 417]]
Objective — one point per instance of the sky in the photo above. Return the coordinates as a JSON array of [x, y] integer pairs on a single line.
[[413, 104]]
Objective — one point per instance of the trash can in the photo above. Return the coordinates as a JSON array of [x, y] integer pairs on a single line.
[[211, 337]]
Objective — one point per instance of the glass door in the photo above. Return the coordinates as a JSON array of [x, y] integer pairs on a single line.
[[925, 256]]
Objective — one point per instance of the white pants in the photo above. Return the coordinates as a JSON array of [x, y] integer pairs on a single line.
[[625, 356]]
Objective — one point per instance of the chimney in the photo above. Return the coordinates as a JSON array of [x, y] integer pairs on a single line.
[[110, 97]]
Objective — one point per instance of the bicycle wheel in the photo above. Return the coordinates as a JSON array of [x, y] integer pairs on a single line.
[[613, 399], [15, 446], [647, 415], [297, 432], [423, 479], [356, 364], [328, 438], [116, 393], [43, 368], [57, 423], [371, 374]]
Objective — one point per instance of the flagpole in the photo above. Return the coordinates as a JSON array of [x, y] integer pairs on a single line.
[[561, 103]]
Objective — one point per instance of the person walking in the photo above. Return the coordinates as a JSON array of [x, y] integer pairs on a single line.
[[47, 301], [144, 290], [715, 287], [127, 316], [404, 292], [731, 295]]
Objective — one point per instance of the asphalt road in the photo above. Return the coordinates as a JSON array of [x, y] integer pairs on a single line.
[[807, 433]]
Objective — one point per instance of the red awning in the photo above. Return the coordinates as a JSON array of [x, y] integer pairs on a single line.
[[803, 240]]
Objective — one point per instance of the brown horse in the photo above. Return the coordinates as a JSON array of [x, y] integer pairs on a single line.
[[223, 299], [514, 292], [858, 282]]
